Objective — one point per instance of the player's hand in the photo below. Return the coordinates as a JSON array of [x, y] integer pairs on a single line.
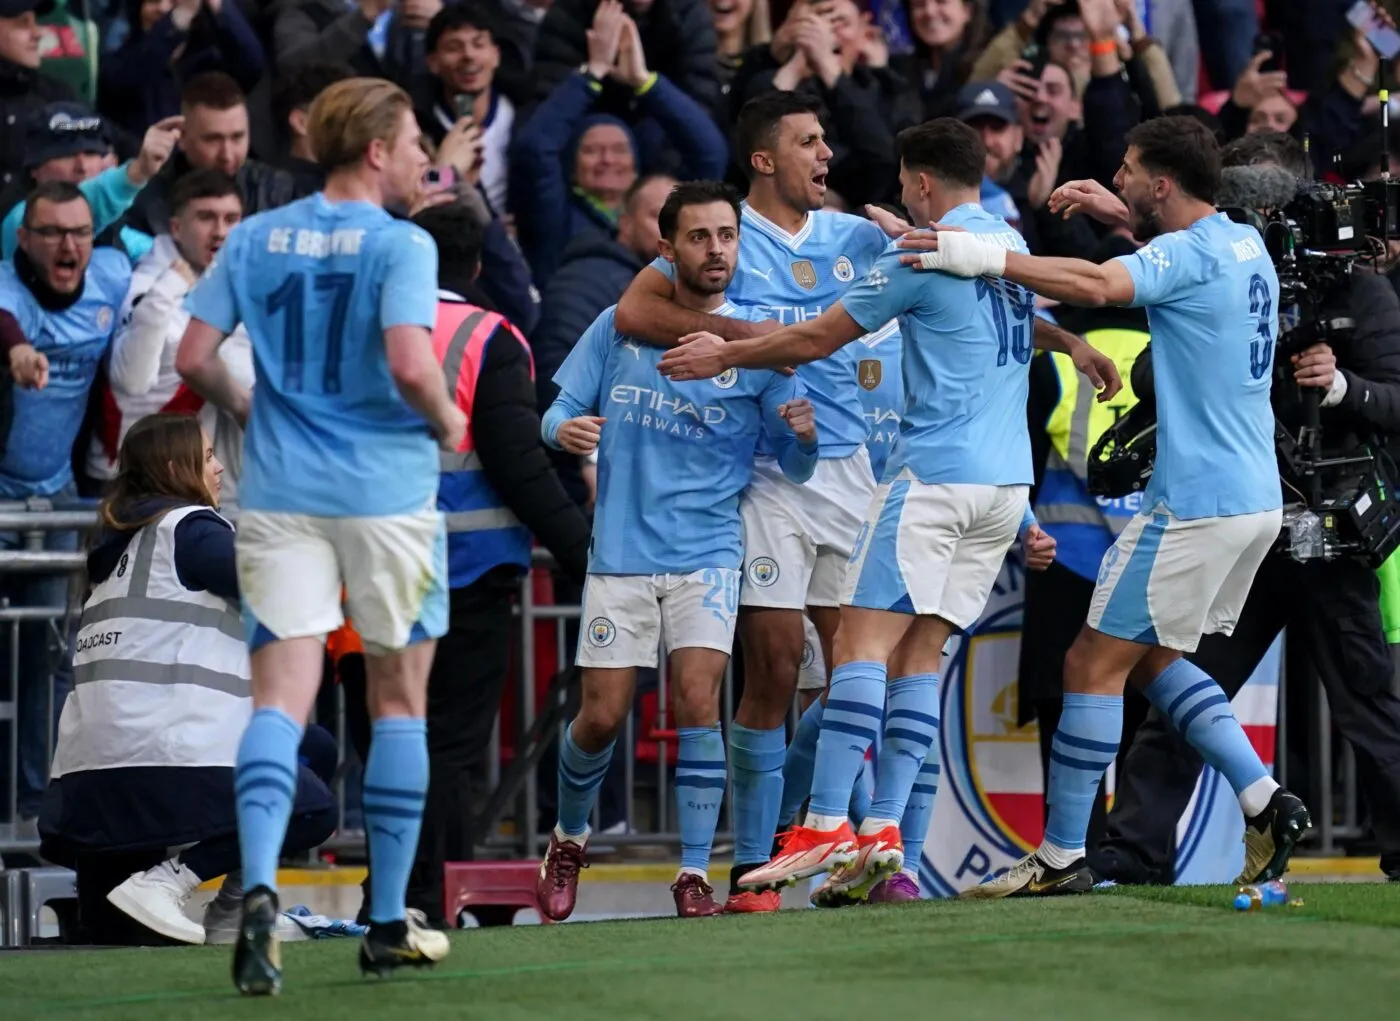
[[1039, 546], [580, 435], [452, 430], [952, 250], [1090, 198], [156, 147], [1101, 370], [888, 222], [800, 419], [28, 367], [698, 356], [1317, 366]]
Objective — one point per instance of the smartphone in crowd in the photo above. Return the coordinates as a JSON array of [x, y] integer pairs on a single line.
[[1383, 39], [1271, 43]]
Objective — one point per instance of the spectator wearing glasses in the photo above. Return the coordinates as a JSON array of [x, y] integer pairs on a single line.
[[58, 307]]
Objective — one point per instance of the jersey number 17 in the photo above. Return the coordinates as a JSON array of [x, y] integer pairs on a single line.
[[290, 298]]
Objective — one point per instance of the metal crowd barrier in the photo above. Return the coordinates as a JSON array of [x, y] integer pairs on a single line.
[[516, 787]]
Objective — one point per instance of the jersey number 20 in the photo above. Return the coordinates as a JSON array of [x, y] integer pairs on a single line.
[[290, 297], [1003, 295]]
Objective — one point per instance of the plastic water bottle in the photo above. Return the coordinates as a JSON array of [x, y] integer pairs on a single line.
[[1263, 895]]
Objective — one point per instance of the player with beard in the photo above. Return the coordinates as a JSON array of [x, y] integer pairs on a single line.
[[1184, 565], [795, 261], [664, 562]]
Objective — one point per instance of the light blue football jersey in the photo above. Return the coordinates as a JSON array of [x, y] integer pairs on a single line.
[[881, 377], [796, 277], [317, 283], [967, 354], [673, 457], [1211, 296], [37, 459]]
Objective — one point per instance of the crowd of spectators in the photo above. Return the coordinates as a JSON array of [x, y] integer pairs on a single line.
[[561, 125]]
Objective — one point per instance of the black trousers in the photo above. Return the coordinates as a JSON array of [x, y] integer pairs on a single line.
[[464, 695], [1332, 611]]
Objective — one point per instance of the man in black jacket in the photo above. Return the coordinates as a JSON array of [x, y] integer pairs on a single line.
[[22, 87], [469, 670], [1331, 608], [593, 274], [215, 136]]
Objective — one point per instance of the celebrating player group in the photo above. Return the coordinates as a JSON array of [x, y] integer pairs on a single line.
[[737, 494], [888, 570]]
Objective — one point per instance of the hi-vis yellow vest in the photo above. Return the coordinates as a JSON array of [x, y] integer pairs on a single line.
[[1085, 526]]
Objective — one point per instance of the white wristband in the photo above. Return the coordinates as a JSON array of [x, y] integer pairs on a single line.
[[965, 255]]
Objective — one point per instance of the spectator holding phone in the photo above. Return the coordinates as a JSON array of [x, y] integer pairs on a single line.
[[462, 59]]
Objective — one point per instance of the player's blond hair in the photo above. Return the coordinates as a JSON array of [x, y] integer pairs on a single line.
[[346, 117]]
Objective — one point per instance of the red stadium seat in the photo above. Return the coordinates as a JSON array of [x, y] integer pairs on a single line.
[[492, 891]]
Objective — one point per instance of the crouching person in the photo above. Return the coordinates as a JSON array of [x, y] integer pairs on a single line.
[[141, 804]]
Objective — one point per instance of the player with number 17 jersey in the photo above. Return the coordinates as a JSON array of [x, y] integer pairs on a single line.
[[316, 283]]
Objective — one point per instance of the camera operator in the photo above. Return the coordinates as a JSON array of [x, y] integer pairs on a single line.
[[1331, 607]]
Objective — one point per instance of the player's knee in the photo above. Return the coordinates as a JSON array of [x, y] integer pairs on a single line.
[[600, 716], [695, 700]]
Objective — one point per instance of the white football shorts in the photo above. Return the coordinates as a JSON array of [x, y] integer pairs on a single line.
[[626, 618], [1167, 581], [933, 549], [798, 538], [812, 674], [292, 569]]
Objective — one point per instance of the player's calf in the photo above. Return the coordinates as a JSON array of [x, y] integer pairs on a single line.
[[701, 776], [585, 755]]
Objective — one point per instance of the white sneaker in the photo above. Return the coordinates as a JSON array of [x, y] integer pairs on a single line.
[[157, 898], [221, 921]]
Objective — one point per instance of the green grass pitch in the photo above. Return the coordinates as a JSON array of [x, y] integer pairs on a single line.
[[1122, 955]]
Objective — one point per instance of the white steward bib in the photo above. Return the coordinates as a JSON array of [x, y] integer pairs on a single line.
[[160, 674]]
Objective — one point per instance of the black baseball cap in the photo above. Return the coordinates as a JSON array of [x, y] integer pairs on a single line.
[[14, 8], [63, 129], [987, 99]]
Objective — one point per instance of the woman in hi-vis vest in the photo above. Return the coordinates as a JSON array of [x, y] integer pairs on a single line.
[[148, 738]]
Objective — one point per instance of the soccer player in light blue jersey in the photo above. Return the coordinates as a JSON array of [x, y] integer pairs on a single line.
[[796, 259], [664, 565], [1184, 565], [951, 502], [338, 490]]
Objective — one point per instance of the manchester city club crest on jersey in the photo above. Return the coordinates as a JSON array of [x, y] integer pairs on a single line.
[[843, 270], [869, 373], [601, 632], [805, 274], [104, 317], [727, 378], [763, 571]]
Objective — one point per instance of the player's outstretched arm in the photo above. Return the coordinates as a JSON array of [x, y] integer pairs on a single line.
[[1101, 369], [704, 354], [1075, 281], [198, 363], [418, 376], [646, 311]]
